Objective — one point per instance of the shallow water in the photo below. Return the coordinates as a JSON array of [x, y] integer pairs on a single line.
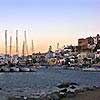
[[44, 80]]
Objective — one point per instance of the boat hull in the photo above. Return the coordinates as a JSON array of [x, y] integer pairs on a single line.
[[24, 69]]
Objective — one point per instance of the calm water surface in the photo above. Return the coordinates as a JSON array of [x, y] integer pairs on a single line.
[[44, 80]]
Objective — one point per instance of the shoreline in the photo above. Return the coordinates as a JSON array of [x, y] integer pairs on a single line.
[[66, 91], [87, 95]]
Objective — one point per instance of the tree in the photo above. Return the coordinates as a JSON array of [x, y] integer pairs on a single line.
[[33, 60]]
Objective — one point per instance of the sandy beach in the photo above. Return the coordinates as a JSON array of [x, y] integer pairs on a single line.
[[88, 95]]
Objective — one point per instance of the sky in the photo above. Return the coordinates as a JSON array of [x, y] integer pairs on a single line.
[[48, 22]]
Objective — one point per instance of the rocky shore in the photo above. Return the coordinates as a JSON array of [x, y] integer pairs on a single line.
[[65, 91]]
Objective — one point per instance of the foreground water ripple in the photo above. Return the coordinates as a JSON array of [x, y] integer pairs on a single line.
[[44, 80]]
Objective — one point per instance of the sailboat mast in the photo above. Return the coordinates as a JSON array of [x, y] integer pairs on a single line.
[[10, 45], [5, 42], [32, 47], [23, 49], [57, 46], [26, 45], [17, 42]]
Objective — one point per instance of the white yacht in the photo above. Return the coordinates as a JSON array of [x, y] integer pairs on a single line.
[[24, 69], [2, 61], [33, 69], [14, 69], [5, 69]]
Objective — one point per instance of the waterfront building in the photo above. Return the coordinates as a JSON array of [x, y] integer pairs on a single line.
[[83, 44], [97, 54], [50, 54], [90, 40], [89, 43], [95, 40], [98, 38]]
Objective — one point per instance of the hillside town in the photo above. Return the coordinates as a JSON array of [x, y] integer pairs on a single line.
[[87, 52]]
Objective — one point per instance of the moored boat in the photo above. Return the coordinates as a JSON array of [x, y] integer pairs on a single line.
[[91, 69], [5, 69], [24, 69], [14, 69], [33, 69]]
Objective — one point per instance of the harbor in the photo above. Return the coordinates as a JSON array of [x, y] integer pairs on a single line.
[[49, 50], [54, 75], [60, 74], [83, 57]]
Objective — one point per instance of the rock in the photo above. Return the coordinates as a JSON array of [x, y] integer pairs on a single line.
[[72, 87], [74, 83], [70, 94], [69, 89], [17, 98], [14, 98], [43, 97], [96, 87], [30, 98], [63, 90], [67, 84], [62, 95], [88, 89], [25, 98], [0, 88], [33, 99], [48, 97], [79, 91], [63, 85], [36, 98], [55, 96]]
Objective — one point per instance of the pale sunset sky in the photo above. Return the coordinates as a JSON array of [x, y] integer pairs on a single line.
[[48, 22]]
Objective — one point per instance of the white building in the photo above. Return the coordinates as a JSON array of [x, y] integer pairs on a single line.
[[97, 55], [95, 40]]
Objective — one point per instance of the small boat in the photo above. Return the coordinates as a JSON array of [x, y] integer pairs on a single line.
[[72, 68], [33, 69], [91, 69], [24, 69], [14, 69], [5, 69]]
